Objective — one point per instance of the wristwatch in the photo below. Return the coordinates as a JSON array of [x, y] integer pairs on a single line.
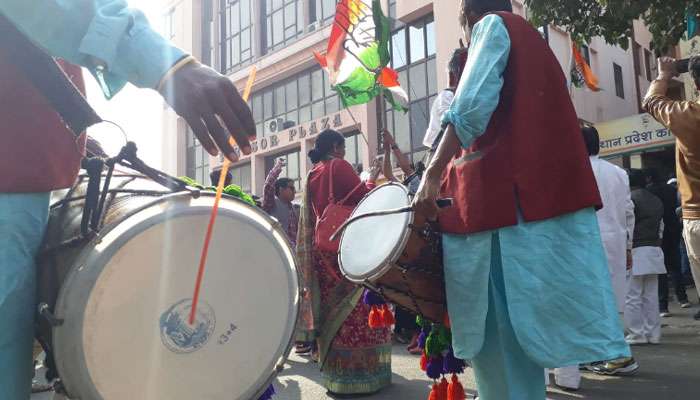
[[394, 147]]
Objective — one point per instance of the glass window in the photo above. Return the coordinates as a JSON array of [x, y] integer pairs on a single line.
[[419, 79], [432, 76], [417, 41], [354, 150], [292, 97], [241, 176], [304, 89], [283, 23], [619, 83], [430, 39], [317, 85], [280, 100], [290, 100], [196, 159], [235, 39], [324, 11], [398, 45]]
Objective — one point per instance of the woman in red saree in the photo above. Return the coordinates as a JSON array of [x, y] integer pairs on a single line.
[[354, 358]]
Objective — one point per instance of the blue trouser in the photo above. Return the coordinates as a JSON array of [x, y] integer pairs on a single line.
[[503, 370], [23, 219]]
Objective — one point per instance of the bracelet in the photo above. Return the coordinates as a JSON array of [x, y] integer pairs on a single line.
[[178, 65], [394, 147]]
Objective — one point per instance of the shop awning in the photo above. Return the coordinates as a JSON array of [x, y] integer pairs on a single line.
[[632, 135]]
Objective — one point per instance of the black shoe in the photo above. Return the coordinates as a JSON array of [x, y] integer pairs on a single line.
[[697, 316]]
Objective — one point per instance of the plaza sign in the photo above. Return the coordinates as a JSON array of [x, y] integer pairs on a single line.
[[295, 134], [631, 135]]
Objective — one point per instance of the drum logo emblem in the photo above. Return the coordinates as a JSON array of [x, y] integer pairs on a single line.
[[176, 332]]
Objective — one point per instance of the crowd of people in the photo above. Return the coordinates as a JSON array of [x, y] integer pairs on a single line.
[[535, 211]]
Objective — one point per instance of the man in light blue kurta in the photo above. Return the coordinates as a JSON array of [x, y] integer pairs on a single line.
[[109, 35], [514, 293]]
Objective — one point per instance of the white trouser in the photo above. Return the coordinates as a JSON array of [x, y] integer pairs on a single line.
[[567, 377], [642, 308], [691, 235]]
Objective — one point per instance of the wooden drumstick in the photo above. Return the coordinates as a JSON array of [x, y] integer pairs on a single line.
[[215, 209]]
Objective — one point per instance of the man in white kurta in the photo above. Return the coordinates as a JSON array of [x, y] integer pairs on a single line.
[[616, 218]]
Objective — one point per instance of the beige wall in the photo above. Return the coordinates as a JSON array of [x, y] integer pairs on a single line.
[[592, 107]]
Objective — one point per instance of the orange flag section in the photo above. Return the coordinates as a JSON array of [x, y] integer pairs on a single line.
[[585, 69]]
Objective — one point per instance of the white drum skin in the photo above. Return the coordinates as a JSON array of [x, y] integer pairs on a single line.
[[370, 246], [126, 299]]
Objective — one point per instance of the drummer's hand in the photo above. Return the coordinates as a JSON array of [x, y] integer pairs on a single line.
[[199, 94], [425, 201]]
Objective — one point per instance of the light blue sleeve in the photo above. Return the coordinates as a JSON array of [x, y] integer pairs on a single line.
[[107, 30], [480, 87]]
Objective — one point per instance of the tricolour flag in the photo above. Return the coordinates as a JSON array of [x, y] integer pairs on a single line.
[[581, 72], [358, 56]]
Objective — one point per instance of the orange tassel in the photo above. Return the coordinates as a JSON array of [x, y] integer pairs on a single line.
[[423, 362], [388, 316], [442, 389], [375, 318], [446, 321], [455, 391], [434, 394]]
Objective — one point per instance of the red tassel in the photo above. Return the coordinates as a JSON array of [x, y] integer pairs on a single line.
[[375, 318], [446, 321], [434, 394], [423, 362], [442, 389], [387, 316], [455, 391]]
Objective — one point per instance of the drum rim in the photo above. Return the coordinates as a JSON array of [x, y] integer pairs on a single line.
[[395, 254], [89, 251]]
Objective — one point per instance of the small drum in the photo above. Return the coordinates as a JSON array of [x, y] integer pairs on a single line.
[[397, 255], [121, 316]]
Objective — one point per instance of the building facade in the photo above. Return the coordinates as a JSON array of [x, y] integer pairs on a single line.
[[292, 100]]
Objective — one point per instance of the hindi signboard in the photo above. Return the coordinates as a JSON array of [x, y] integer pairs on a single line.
[[632, 134]]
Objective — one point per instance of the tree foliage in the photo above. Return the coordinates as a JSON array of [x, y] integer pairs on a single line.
[[612, 19]]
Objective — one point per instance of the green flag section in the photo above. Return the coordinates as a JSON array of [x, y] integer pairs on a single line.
[[358, 55]]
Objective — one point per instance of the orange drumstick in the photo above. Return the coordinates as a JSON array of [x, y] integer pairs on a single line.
[[215, 209]]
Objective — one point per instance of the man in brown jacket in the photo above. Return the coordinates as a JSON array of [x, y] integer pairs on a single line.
[[682, 118]]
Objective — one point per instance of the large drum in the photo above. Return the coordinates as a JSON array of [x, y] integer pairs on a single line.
[[125, 296], [398, 255]]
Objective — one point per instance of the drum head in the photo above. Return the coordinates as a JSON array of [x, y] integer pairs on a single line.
[[126, 333], [370, 245]]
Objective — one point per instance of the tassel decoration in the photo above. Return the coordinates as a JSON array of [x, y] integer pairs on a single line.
[[443, 388], [387, 316], [434, 392], [372, 299], [434, 368], [375, 318], [455, 391], [452, 364], [422, 338], [423, 362], [269, 393]]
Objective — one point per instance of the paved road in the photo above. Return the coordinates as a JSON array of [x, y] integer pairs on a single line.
[[669, 371]]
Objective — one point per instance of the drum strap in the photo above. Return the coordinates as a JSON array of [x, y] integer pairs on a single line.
[[331, 196], [91, 217]]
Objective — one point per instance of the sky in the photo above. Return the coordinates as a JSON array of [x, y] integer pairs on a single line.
[[137, 111]]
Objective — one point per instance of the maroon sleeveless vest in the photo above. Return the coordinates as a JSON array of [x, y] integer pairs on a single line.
[[38, 153], [532, 156]]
